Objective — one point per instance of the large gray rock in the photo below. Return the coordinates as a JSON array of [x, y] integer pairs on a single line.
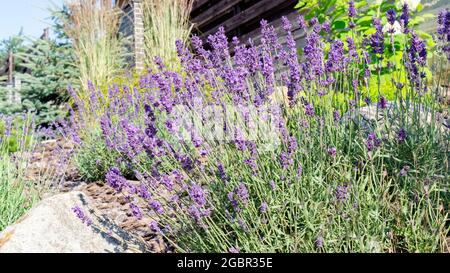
[[53, 227]]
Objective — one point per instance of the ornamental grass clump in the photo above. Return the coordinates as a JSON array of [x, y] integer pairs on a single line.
[[93, 28], [165, 21], [234, 157]]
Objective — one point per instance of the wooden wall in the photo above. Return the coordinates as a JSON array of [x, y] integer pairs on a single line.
[[242, 18], [239, 17]]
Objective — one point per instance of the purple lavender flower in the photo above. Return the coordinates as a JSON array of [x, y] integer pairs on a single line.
[[342, 193], [336, 116], [269, 35], [291, 60], [270, 45], [335, 57], [186, 162], [159, 62], [391, 16], [351, 25], [243, 224], [315, 22], [404, 171], [154, 227], [157, 207], [444, 24], [369, 144], [106, 126], [367, 74], [332, 151], [251, 162], [417, 52], [292, 145], [273, 186], [285, 160], [299, 171], [401, 135], [352, 52], [285, 23], [309, 110], [372, 142], [136, 211], [351, 9], [377, 39], [133, 137], [115, 179], [404, 18], [222, 172], [443, 31], [231, 197], [143, 191], [167, 182], [382, 103], [239, 194], [263, 208], [355, 85], [313, 51], [197, 194], [234, 249], [219, 43], [82, 216], [301, 22], [319, 242], [194, 212], [242, 193], [368, 100], [326, 26]]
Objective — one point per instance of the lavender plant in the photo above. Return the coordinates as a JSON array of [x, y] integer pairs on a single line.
[[16, 195], [26, 175], [233, 156]]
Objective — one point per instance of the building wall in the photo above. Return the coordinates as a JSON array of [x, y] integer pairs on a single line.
[[240, 18]]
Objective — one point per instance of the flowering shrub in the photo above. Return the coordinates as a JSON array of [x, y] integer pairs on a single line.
[[254, 152], [16, 194], [340, 19]]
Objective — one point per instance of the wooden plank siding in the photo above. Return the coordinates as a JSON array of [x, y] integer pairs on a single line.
[[238, 17]]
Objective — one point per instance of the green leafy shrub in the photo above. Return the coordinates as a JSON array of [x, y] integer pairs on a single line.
[[335, 12], [94, 159]]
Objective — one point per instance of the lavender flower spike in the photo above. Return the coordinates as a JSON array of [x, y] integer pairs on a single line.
[[82, 216], [351, 9], [377, 39], [391, 16]]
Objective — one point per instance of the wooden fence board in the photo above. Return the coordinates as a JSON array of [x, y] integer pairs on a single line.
[[214, 12]]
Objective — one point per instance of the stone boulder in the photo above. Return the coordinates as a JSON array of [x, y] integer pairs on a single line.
[[53, 227]]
